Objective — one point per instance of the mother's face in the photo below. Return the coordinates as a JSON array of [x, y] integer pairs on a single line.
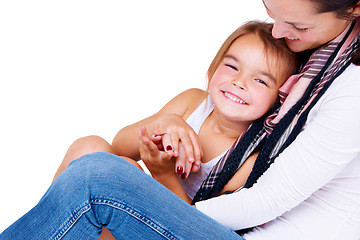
[[301, 25]]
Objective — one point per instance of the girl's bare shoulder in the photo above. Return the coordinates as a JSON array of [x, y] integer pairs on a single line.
[[185, 103], [193, 98]]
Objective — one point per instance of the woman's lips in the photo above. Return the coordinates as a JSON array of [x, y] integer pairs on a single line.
[[292, 39]]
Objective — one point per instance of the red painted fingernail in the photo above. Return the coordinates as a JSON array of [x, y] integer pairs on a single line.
[[179, 170], [168, 148], [183, 176]]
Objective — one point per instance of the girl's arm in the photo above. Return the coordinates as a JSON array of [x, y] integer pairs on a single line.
[[161, 165], [170, 119]]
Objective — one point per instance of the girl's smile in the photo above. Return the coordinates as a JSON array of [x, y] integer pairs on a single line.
[[234, 98]]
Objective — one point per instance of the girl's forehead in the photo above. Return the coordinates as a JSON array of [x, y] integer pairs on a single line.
[[250, 49], [248, 40], [248, 46]]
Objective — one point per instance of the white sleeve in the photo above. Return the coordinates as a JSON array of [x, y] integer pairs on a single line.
[[329, 141]]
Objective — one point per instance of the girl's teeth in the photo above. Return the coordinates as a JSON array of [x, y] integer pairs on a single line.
[[233, 98]]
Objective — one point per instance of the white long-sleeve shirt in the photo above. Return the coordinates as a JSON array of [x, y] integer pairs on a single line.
[[312, 190]]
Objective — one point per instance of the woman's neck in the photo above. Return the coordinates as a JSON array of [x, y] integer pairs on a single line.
[[304, 57]]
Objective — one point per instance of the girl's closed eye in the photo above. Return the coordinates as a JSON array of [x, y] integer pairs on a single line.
[[231, 66]]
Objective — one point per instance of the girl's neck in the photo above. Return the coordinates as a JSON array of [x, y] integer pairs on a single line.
[[225, 127]]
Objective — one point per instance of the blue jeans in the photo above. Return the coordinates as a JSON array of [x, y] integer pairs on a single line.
[[102, 189]]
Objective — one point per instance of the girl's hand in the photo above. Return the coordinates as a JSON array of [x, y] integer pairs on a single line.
[[158, 162], [174, 130], [184, 167]]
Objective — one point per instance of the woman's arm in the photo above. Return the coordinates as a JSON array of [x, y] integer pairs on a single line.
[[329, 142], [241, 175]]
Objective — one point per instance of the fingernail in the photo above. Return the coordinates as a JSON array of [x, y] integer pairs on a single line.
[[183, 176], [179, 170], [168, 148], [197, 163]]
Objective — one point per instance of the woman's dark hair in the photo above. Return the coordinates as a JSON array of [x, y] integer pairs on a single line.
[[341, 9]]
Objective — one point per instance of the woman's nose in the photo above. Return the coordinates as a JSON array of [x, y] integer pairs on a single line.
[[280, 30]]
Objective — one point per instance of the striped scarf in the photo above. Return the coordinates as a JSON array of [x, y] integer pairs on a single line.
[[272, 134]]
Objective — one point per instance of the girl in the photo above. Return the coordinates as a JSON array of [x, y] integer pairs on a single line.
[[244, 81]]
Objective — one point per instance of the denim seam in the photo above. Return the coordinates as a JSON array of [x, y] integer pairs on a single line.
[[135, 214], [72, 220]]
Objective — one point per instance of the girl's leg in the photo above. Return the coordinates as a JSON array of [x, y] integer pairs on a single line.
[[81, 147], [102, 189]]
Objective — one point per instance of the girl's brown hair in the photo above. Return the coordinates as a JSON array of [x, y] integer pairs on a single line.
[[278, 47]]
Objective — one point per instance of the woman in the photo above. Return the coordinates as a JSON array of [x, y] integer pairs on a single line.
[[309, 192]]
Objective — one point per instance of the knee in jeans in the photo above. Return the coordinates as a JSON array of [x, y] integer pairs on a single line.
[[90, 144], [100, 166], [81, 147], [84, 146]]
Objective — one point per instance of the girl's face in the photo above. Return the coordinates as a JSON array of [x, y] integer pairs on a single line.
[[242, 87], [302, 27]]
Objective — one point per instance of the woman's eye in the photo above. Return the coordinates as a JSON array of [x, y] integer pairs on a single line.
[[231, 66], [300, 29], [261, 81]]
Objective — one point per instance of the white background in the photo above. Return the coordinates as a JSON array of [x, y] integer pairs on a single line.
[[72, 68]]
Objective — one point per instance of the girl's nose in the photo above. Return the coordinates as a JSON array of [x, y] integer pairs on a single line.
[[280, 30], [240, 82]]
